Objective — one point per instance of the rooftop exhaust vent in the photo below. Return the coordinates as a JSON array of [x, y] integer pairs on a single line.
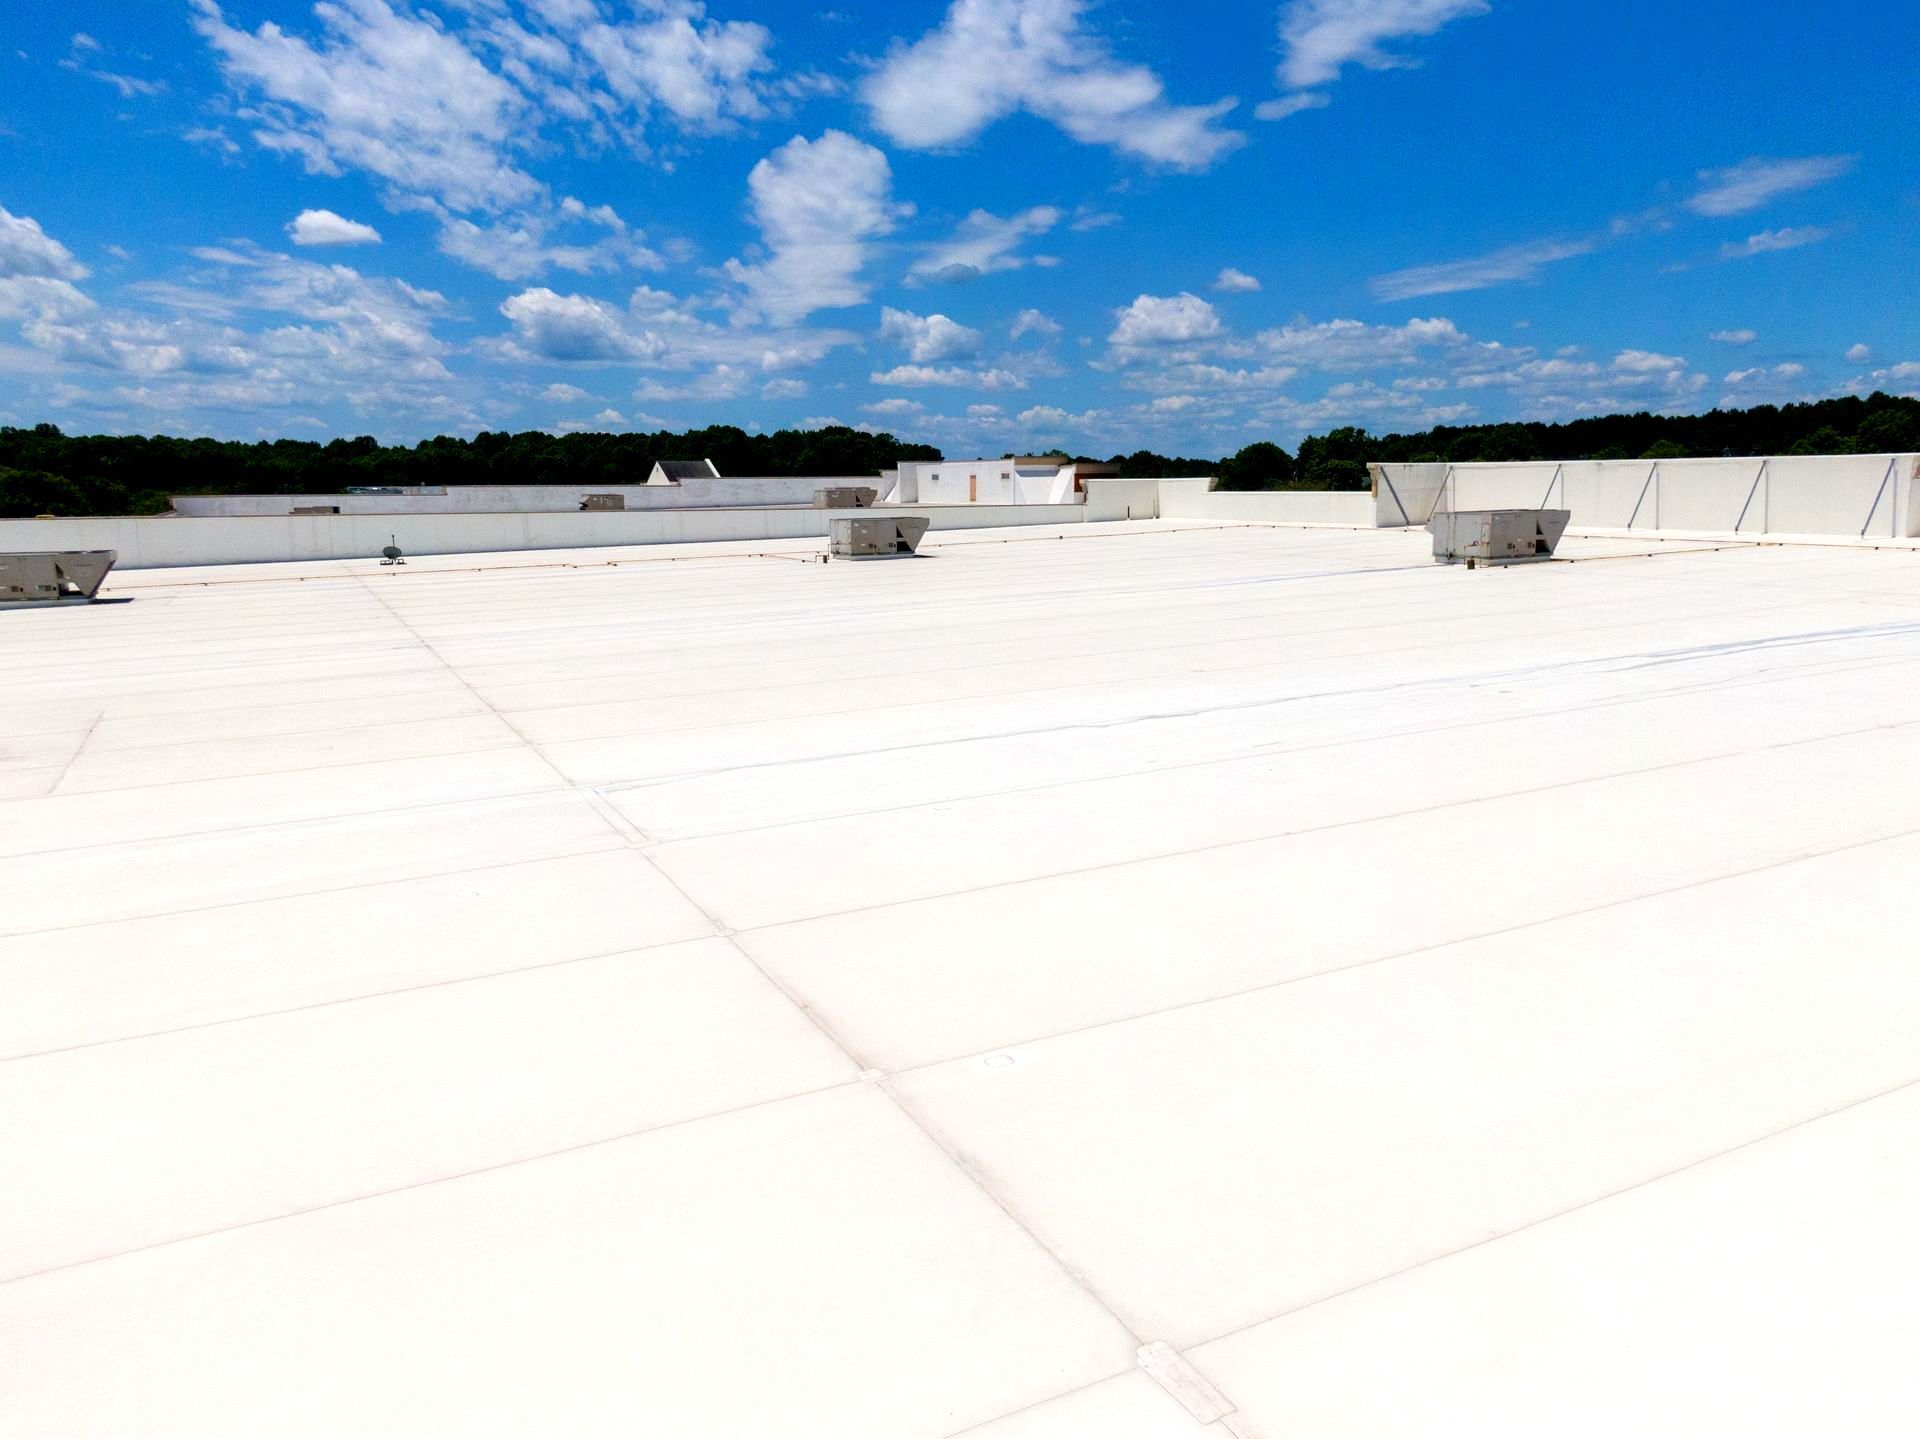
[[54, 577], [873, 539], [845, 497], [1496, 537]]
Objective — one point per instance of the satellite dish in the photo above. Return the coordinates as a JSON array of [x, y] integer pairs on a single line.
[[392, 553]]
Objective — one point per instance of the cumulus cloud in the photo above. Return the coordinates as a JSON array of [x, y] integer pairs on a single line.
[[26, 250], [518, 247], [1156, 320], [1033, 322], [928, 337], [575, 327], [919, 376], [1734, 337], [1353, 345], [444, 107], [323, 227], [391, 94], [1235, 282], [783, 389], [1900, 379], [253, 331], [1759, 181], [1859, 353], [1503, 267], [985, 244], [990, 58], [819, 204], [1769, 242]]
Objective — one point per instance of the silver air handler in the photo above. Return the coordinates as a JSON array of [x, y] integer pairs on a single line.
[[1496, 537], [876, 539], [60, 577]]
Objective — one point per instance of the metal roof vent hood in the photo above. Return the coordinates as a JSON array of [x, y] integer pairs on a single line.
[[873, 539], [1496, 537]]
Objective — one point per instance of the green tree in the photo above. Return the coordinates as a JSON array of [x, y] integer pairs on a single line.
[[1262, 465]]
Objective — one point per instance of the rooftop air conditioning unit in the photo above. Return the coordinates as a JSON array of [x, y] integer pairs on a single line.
[[61, 577], [873, 539], [603, 502], [845, 497], [1496, 537]]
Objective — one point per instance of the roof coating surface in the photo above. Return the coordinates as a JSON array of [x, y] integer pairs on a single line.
[[694, 992]]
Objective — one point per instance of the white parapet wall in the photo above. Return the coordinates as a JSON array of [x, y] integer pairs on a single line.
[[163, 541], [1193, 500], [1838, 496], [718, 492]]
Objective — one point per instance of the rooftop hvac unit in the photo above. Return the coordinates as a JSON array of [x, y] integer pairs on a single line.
[[603, 502], [61, 577], [873, 539], [1496, 537], [845, 497]]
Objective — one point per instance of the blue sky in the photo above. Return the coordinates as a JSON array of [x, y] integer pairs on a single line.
[[989, 224]]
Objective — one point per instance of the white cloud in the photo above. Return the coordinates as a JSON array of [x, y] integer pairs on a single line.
[[783, 389], [1322, 37], [1051, 420], [1353, 345], [36, 270], [444, 105], [819, 204], [1900, 379], [391, 94], [1156, 320], [1033, 322], [990, 58], [895, 406], [920, 376], [1769, 242], [1502, 267], [518, 247], [928, 338], [1859, 353], [701, 71], [1756, 182], [1780, 372], [1235, 282], [561, 394], [323, 227], [575, 327], [1287, 105], [984, 244], [1734, 337]]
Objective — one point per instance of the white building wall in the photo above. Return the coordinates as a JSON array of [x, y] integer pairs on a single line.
[[986, 482], [721, 491], [1843, 496], [1191, 499], [161, 541]]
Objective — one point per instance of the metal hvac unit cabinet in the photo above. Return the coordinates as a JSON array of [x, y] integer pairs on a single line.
[[845, 497], [1496, 537], [874, 539], [52, 578]]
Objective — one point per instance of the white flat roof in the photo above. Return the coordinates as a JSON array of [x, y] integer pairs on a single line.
[[692, 992]]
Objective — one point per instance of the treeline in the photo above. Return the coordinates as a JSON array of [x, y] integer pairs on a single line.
[[43, 471], [1876, 424]]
